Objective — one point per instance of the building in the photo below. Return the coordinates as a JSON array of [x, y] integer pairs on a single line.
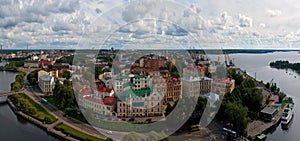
[[120, 84], [190, 87], [154, 63], [101, 107], [196, 86], [223, 85], [102, 104], [205, 85], [192, 71], [31, 64], [44, 63], [160, 85], [49, 72], [46, 84], [140, 81], [140, 103], [173, 89], [268, 113], [59, 66]]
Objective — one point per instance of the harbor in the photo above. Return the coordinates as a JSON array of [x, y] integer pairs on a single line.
[[257, 65]]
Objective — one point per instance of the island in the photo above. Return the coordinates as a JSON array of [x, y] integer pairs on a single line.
[[284, 64]]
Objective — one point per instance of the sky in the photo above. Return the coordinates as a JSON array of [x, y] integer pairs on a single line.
[[129, 24]]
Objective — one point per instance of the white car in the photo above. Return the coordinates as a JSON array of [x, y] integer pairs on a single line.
[[109, 132]]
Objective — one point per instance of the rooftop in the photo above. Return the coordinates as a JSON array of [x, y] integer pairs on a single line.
[[223, 80], [269, 110], [46, 78]]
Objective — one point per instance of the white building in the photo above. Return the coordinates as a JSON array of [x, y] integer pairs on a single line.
[[46, 84], [196, 86]]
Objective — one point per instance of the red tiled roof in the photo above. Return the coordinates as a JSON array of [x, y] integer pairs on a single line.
[[86, 91], [159, 80], [94, 100], [223, 80], [109, 100], [103, 89], [45, 62], [172, 79], [194, 67]]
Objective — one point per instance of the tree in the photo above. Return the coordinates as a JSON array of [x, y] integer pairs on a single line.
[[268, 85], [66, 74], [109, 139], [15, 86], [67, 82], [237, 115], [252, 98], [154, 136], [98, 71], [50, 66], [32, 77], [47, 119], [133, 137], [281, 97], [31, 110]]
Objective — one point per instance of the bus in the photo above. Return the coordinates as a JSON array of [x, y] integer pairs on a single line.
[[44, 101], [195, 127], [229, 133]]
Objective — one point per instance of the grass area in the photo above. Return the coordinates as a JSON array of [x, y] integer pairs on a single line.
[[28, 106], [72, 112], [128, 126], [75, 133]]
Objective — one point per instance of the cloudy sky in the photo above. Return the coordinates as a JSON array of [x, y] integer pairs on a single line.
[[69, 24]]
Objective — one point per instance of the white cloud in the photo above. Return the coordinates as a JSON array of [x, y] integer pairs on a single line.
[[245, 21], [262, 25], [273, 13]]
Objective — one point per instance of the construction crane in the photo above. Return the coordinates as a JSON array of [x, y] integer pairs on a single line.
[[219, 57], [229, 60], [271, 81]]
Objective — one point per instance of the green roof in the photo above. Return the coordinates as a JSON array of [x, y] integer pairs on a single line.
[[140, 76], [134, 93], [129, 84]]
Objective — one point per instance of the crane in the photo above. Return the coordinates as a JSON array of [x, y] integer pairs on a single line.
[[271, 81], [219, 57]]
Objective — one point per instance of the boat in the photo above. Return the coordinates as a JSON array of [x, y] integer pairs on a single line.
[[287, 126], [291, 106], [287, 115]]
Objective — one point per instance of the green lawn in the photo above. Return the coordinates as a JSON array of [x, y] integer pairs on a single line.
[[74, 113], [28, 106], [75, 133]]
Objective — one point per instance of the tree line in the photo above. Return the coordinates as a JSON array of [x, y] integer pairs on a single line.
[[19, 81], [242, 105], [283, 64]]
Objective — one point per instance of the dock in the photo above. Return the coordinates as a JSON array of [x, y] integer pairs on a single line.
[[258, 126]]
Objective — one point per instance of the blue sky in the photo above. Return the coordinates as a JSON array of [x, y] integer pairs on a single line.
[[70, 24]]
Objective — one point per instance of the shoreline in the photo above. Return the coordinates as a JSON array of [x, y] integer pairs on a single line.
[[46, 127], [265, 127]]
